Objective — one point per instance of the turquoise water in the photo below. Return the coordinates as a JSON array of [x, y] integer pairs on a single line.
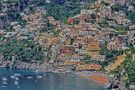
[[50, 81]]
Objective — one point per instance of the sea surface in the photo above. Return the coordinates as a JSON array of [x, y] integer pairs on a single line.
[[29, 80]]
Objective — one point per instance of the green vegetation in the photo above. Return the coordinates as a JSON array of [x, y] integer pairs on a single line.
[[121, 30], [129, 66], [62, 11], [103, 64], [21, 21], [131, 15], [93, 16], [104, 23], [26, 50], [117, 7], [87, 59], [104, 50]]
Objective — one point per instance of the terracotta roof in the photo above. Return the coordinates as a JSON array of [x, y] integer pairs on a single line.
[[70, 20]]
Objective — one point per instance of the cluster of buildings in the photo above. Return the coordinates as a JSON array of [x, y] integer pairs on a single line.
[[83, 36], [33, 23]]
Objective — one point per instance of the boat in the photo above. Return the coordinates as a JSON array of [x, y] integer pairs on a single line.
[[12, 77], [16, 78], [4, 79], [39, 77], [30, 77], [17, 75]]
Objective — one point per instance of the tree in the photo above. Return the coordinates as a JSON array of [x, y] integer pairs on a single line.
[[104, 50], [93, 16], [130, 68], [131, 15], [26, 50], [117, 7], [87, 59], [60, 12], [121, 30]]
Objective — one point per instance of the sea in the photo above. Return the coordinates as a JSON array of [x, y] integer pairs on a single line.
[[29, 80]]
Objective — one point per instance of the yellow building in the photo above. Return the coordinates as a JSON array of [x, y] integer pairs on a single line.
[[93, 48]]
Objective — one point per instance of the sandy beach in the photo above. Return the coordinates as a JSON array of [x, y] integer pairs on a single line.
[[99, 77]]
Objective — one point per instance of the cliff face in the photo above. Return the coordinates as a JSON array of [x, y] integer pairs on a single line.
[[11, 12]]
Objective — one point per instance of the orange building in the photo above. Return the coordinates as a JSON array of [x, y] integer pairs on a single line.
[[71, 62], [93, 48]]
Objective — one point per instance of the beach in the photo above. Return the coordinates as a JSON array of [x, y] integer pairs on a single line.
[[98, 77]]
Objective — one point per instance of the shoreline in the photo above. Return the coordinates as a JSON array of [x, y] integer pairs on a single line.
[[88, 75]]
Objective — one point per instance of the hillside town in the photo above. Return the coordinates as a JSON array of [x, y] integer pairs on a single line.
[[97, 43]]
